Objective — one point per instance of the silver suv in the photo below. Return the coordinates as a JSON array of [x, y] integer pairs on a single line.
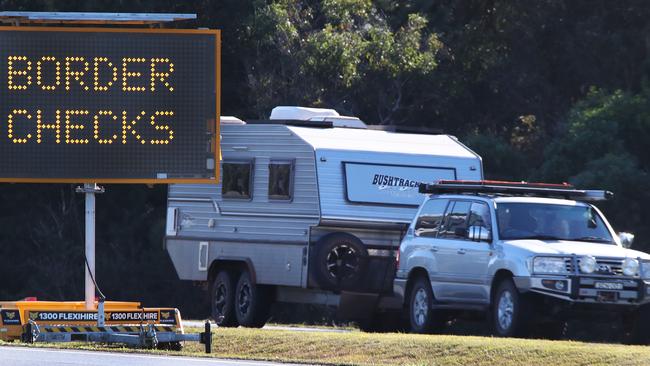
[[529, 255]]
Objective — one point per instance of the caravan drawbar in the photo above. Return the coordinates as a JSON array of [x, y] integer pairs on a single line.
[[311, 209]]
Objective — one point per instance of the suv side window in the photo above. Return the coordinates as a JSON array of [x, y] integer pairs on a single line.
[[428, 223], [479, 215], [455, 226]]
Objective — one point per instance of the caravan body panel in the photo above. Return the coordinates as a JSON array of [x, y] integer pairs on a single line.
[[368, 175], [260, 229]]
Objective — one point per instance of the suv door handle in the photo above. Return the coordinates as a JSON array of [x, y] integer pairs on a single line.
[[434, 249], [461, 251]]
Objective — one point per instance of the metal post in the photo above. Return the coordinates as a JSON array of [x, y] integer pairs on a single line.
[[207, 337], [89, 189]]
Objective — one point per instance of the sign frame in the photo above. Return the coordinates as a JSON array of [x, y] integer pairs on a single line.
[[215, 139]]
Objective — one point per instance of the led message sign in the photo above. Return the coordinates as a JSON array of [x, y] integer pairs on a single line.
[[108, 105]]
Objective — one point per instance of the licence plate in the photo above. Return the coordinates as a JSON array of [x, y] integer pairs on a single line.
[[608, 285]]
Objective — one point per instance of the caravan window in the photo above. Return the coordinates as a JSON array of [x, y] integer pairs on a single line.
[[236, 180], [280, 176]]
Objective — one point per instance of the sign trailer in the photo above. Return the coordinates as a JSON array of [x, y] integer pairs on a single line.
[[105, 105]]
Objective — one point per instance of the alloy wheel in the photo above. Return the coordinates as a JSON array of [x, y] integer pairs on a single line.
[[244, 299], [505, 310], [220, 298], [342, 262], [420, 307]]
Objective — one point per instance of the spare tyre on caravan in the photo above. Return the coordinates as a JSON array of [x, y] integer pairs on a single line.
[[311, 208]]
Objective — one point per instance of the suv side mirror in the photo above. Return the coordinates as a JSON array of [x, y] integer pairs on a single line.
[[479, 233], [626, 239]]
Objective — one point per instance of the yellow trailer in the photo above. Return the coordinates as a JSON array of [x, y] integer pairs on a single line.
[[122, 322]]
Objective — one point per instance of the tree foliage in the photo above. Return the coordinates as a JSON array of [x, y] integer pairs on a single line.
[[336, 53], [604, 144]]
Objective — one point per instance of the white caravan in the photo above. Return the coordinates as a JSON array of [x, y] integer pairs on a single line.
[[307, 211]]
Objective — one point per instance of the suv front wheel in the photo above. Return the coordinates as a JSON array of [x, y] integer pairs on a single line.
[[510, 311]]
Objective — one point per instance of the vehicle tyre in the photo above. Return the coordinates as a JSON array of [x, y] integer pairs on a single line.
[[223, 300], [252, 303], [511, 312], [422, 317], [340, 261]]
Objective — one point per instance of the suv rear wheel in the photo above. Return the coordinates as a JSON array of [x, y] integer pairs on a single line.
[[510, 311], [422, 317]]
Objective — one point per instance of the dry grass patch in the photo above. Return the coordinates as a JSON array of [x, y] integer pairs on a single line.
[[357, 348]]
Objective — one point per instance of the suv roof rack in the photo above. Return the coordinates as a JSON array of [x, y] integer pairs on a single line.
[[564, 190]]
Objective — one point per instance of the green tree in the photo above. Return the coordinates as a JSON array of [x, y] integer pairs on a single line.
[[501, 161], [604, 145], [336, 53]]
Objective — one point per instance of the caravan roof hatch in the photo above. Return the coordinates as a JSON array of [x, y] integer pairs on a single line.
[[290, 113]]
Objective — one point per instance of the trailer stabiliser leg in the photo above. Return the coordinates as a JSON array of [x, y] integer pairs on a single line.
[[30, 332], [148, 338], [206, 337]]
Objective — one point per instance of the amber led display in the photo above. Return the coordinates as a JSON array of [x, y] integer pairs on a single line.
[[116, 105]]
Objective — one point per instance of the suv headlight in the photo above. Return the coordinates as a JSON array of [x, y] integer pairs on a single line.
[[630, 267], [587, 264], [549, 265], [645, 269]]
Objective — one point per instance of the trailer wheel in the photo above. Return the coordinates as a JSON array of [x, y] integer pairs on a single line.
[[223, 300], [340, 261], [252, 302]]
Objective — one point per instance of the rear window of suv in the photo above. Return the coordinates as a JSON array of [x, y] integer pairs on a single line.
[[430, 218], [455, 226]]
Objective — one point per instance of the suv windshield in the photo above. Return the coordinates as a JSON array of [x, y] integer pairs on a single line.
[[551, 222]]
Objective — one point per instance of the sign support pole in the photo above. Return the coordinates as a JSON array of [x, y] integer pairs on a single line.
[[89, 190], [90, 245]]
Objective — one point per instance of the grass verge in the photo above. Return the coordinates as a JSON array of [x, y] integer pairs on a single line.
[[357, 348]]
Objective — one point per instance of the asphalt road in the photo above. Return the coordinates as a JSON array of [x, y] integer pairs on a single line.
[[24, 356]]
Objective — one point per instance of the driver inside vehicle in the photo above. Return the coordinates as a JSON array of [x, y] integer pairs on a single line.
[[559, 227], [517, 222]]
